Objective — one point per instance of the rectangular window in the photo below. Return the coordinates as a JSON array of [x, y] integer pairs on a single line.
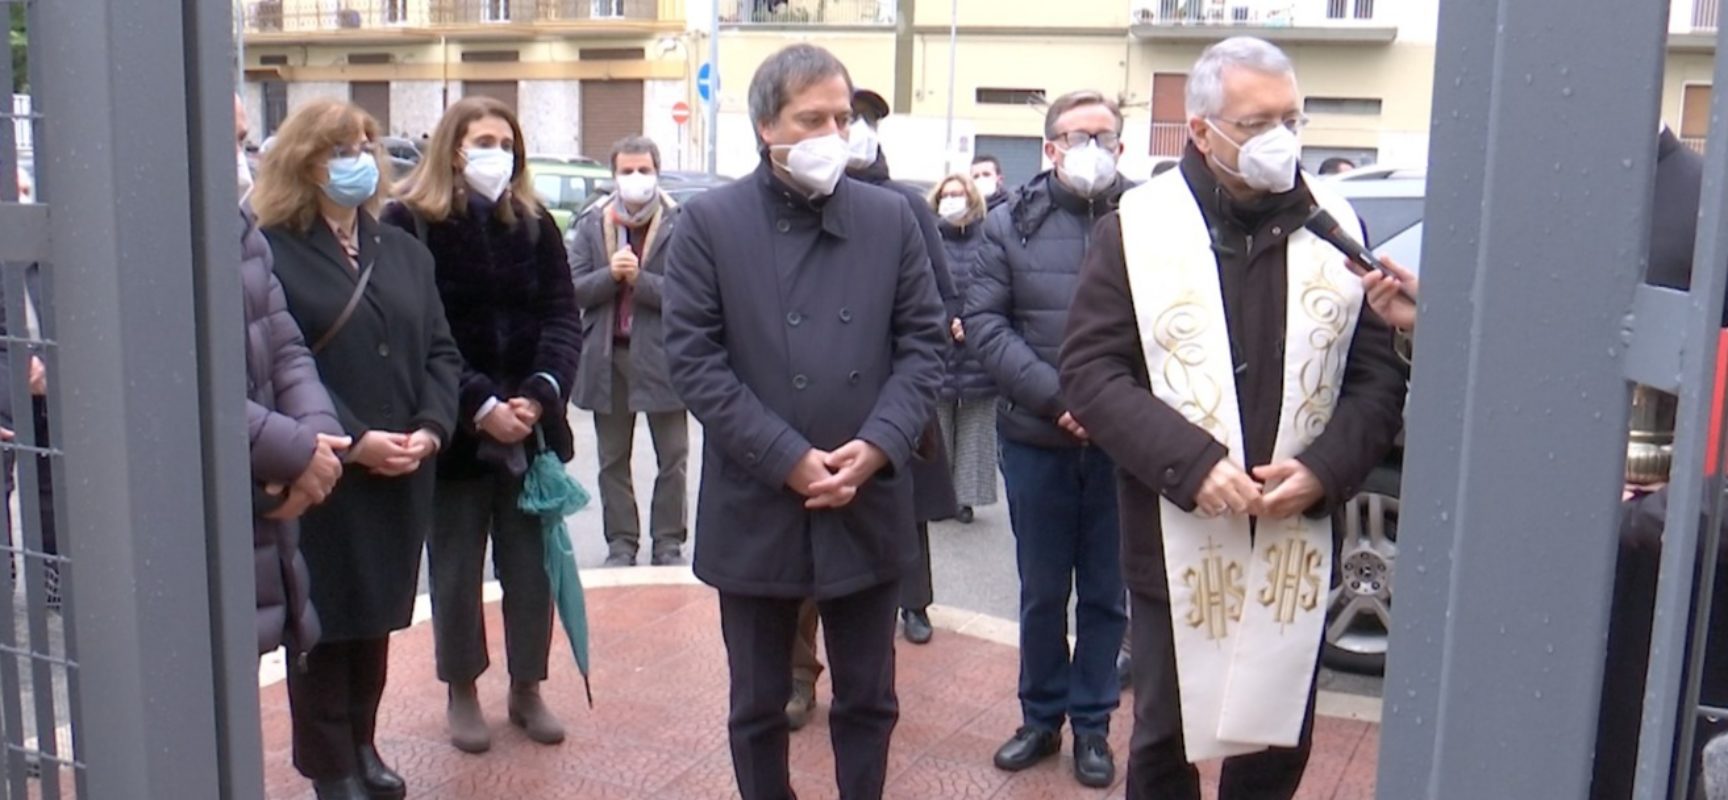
[[611, 54], [395, 12], [491, 56], [369, 58], [1009, 97], [1357, 106], [608, 9], [495, 10]]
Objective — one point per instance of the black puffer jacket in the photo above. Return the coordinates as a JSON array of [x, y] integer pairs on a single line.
[[286, 406], [966, 377], [1017, 305]]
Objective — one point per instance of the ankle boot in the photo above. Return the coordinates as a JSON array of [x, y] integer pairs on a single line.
[[467, 723], [529, 712], [348, 788], [381, 782]]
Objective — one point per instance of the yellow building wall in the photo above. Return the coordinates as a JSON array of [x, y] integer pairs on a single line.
[[869, 56], [1056, 65], [1038, 14]]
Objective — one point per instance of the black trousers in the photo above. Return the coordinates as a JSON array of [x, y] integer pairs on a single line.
[[334, 705], [1630, 624], [917, 590], [44, 480], [1158, 767], [759, 634]]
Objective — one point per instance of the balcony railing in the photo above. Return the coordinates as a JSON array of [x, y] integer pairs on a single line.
[[807, 12], [1256, 13], [313, 16], [1168, 138], [1704, 15]]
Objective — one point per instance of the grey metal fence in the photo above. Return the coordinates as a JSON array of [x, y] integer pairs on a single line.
[[141, 681]]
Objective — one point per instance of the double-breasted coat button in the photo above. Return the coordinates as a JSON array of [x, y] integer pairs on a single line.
[[800, 382], [782, 226], [383, 349], [854, 377], [1171, 478], [794, 318], [845, 315], [752, 457]]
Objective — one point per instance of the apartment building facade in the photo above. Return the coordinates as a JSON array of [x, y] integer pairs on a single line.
[[584, 72], [581, 73]]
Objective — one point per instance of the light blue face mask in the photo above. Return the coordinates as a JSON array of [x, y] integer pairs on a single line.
[[353, 179]]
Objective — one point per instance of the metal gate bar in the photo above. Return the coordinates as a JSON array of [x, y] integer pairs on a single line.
[[1517, 423]]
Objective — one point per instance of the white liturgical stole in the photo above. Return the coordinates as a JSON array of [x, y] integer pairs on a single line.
[[1247, 607]]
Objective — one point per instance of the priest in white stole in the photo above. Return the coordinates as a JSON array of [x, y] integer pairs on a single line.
[[1224, 357]]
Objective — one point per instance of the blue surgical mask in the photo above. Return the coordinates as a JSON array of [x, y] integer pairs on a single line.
[[353, 179]]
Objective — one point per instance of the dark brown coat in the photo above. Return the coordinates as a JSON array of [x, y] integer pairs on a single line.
[[1157, 450]]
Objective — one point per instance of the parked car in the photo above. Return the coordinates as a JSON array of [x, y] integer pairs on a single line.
[[680, 186], [1359, 612], [566, 184]]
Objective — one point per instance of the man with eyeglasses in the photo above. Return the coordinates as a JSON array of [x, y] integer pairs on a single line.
[[1226, 359], [1061, 490]]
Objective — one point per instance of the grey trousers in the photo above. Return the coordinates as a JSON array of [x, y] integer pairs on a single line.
[[469, 513], [616, 435]]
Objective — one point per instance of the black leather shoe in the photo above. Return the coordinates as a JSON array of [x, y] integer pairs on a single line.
[[965, 516], [381, 782], [669, 557], [348, 788], [1124, 670], [916, 626], [1094, 765], [1029, 746], [621, 560]]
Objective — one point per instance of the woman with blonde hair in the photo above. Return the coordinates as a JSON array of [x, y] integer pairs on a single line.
[[967, 406], [506, 286], [363, 294]]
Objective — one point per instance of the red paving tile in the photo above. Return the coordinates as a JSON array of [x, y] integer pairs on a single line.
[[658, 728]]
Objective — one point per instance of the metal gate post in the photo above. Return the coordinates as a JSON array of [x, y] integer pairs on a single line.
[[1517, 433], [132, 288]]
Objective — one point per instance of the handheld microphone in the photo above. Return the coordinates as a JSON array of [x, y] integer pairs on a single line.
[[1324, 225]]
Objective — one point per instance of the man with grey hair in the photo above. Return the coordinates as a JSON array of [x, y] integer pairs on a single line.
[[618, 261], [803, 329], [1061, 491], [1225, 358]]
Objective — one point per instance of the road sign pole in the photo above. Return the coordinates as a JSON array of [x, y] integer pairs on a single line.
[[713, 109]]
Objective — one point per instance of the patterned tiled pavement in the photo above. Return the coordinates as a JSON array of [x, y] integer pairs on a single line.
[[658, 726]]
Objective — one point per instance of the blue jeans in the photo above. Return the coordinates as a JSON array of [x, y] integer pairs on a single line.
[[1062, 505]]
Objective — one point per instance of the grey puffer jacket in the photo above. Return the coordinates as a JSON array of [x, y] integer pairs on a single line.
[[286, 406], [1017, 306]]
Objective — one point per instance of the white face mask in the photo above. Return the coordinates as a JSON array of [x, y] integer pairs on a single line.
[[861, 145], [637, 188], [1088, 169], [1266, 162], [986, 186], [244, 175], [952, 209], [489, 170], [816, 165]]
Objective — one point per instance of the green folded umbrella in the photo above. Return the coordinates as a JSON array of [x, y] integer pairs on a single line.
[[549, 493]]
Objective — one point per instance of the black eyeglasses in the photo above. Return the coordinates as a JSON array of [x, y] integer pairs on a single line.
[[1072, 139]]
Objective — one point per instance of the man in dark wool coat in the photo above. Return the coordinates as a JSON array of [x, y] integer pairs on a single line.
[[804, 331]]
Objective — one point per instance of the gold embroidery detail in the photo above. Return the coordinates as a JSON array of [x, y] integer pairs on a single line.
[[1292, 581], [1327, 308], [1216, 593], [1178, 331]]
